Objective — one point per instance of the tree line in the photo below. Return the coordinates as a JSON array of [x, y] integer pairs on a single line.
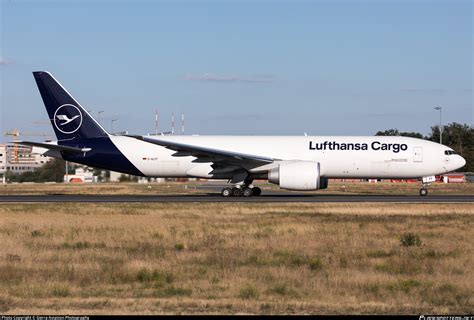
[[51, 171]]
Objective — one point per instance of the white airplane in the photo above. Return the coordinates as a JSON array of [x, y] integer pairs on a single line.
[[293, 162]]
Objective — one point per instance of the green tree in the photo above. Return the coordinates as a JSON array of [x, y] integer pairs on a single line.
[[127, 178], [395, 132], [51, 171], [389, 132], [98, 173], [460, 137]]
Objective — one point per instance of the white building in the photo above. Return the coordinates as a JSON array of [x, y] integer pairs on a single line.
[[114, 176], [3, 161], [19, 159], [3, 158], [81, 176]]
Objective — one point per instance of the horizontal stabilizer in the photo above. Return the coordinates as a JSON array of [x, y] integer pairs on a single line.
[[51, 146]]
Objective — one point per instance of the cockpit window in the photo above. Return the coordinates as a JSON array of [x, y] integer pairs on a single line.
[[449, 152]]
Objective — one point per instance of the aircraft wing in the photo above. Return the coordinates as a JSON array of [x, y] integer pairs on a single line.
[[51, 146], [204, 154]]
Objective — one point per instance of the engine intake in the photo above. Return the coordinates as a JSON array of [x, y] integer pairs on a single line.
[[298, 175]]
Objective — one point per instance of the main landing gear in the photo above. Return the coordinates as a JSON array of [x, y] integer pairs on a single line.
[[243, 191], [242, 186]]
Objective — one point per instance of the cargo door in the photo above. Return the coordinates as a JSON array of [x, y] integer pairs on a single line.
[[418, 154]]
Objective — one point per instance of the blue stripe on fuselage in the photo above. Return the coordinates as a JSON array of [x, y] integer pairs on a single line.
[[104, 155]]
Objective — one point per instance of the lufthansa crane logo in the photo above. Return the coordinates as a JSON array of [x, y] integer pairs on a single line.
[[68, 118]]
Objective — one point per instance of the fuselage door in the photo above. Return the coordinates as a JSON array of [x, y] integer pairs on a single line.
[[418, 154]]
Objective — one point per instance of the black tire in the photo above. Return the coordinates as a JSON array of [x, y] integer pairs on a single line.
[[226, 192], [256, 191], [247, 192], [236, 192], [423, 192]]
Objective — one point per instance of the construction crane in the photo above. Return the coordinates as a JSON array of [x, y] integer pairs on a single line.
[[15, 134], [41, 122]]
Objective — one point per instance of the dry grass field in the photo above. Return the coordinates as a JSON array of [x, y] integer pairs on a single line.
[[236, 258], [169, 188]]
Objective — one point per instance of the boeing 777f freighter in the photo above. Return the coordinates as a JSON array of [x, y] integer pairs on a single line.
[[293, 162]]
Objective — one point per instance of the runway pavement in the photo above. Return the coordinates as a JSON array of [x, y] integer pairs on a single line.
[[214, 197]]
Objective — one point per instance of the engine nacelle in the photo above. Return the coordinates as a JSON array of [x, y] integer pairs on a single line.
[[298, 175]]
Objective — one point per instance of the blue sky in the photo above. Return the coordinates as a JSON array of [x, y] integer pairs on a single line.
[[243, 67]]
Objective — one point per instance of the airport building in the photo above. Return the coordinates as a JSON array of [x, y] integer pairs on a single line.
[[3, 158], [81, 175], [19, 159]]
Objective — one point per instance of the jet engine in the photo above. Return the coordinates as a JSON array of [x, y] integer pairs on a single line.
[[298, 175]]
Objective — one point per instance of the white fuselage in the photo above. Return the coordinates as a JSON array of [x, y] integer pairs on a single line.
[[339, 156]]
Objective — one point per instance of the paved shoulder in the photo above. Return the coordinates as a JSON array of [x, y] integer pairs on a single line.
[[218, 198]]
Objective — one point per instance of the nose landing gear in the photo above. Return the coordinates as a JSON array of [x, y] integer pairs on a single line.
[[423, 191], [425, 182]]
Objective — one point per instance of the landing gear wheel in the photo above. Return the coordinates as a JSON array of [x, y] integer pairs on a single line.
[[236, 192], [423, 192], [226, 192], [247, 192], [256, 191]]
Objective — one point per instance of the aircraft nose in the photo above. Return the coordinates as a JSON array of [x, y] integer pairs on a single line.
[[461, 161]]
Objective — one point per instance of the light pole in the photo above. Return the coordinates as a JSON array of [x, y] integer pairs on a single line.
[[112, 124], [67, 172], [98, 115], [440, 124]]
